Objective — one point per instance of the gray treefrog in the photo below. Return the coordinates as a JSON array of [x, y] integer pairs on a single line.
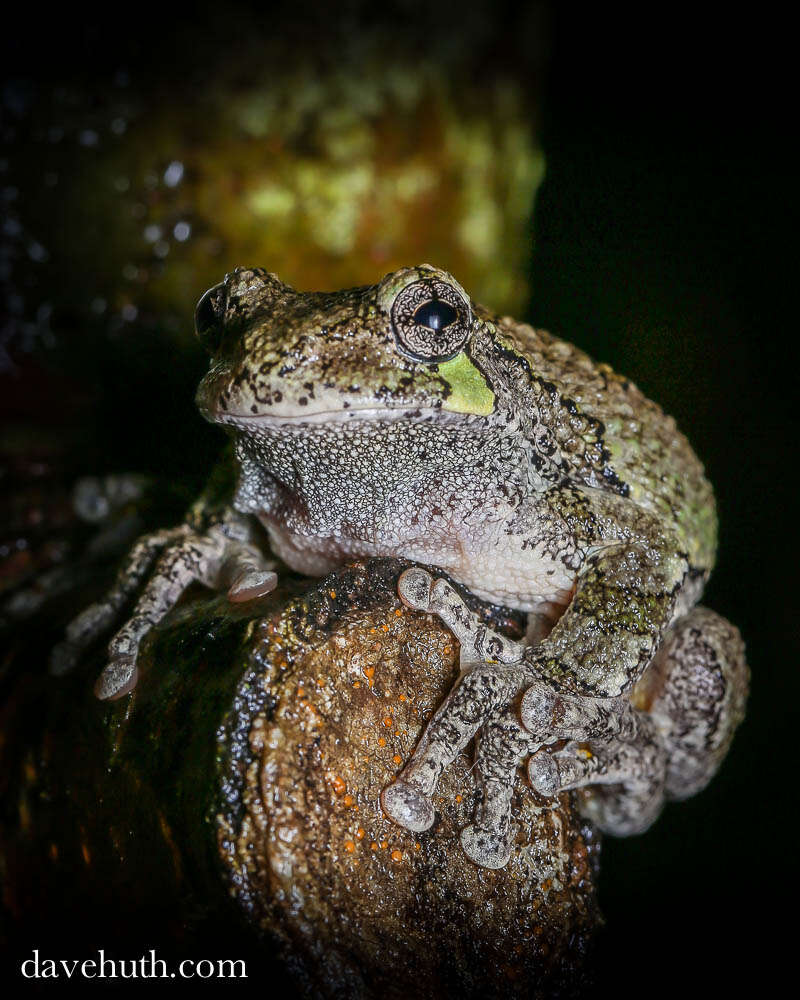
[[402, 419]]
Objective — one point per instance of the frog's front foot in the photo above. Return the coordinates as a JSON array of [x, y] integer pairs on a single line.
[[222, 557], [408, 806], [493, 672], [486, 701]]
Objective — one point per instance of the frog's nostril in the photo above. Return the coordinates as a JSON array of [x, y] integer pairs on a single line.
[[208, 317]]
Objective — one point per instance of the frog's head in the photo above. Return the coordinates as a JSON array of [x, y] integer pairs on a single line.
[[398, 348]]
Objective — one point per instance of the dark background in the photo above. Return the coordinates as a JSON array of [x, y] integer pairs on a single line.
[[664, 243]]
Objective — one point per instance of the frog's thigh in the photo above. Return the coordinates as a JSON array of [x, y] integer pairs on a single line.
[[695, 691]]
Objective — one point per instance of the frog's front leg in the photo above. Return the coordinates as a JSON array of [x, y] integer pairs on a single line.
[[502, 745], [493, 672], [220, 555], [576, 683]]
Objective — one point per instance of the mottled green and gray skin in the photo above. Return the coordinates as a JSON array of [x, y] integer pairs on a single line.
[[401, 419]]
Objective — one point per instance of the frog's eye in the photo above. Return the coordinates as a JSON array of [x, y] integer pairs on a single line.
[[208, 318], [431, 320]]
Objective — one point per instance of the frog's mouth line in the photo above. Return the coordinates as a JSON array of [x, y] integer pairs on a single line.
[[371, 414]]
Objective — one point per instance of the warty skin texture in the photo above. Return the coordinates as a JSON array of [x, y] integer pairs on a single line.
[[401, 419]]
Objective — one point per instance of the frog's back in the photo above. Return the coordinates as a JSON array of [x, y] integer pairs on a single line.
[[612, 437]]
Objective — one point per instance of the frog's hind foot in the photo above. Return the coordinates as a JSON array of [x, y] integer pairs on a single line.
[[621, 781]]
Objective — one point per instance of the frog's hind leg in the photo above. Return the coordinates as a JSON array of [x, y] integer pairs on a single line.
[[695, 692], [492, 674], [621, 781], [686, 708]]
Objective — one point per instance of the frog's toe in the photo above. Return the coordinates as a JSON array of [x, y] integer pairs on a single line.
[[407, 806], [537, 710], [550, 715], [549, 774], [487, 848], [81, 632], [118, 679], [252, 584], [414, 588]]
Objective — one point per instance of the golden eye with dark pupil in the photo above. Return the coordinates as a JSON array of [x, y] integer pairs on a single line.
[[431, 320], [435, 315]]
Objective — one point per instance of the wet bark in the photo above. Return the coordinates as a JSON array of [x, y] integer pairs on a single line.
[[229, 808]]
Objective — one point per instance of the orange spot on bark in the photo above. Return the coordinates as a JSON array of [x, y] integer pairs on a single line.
[[301, 692], [397, 855], [348, 800], [387, 721], [337, 783], [397, 759], [373, 846], [381, 742], [349, 846], [384, 844], [458, 798], [332, 593], [356, 684], [360, 833], [402, 697], [417, 846]]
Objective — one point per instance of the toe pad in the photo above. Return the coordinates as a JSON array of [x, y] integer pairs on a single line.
[[408, 807]]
